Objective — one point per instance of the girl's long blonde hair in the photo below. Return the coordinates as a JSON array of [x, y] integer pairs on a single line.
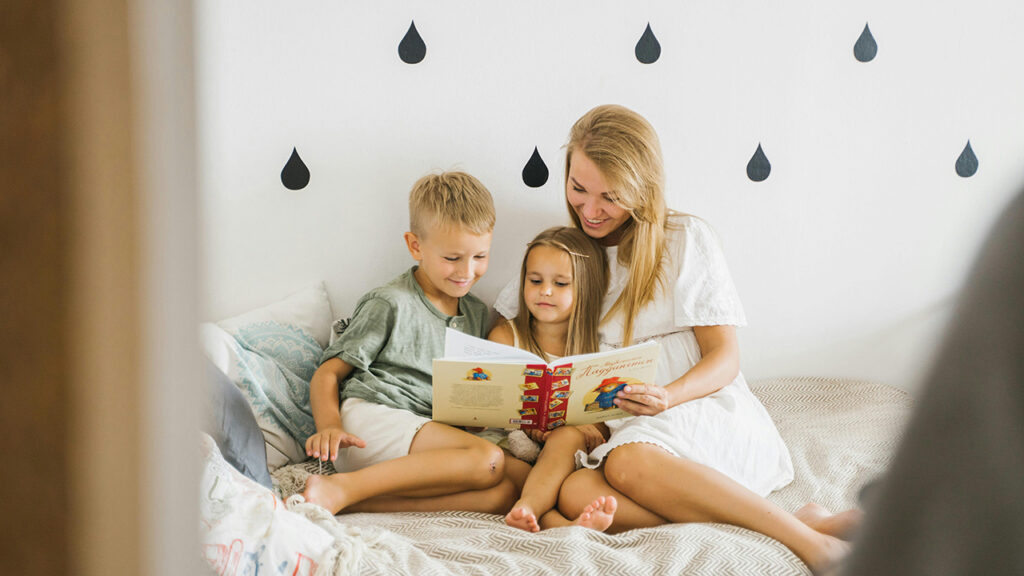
[[589, 283], [625, 148]]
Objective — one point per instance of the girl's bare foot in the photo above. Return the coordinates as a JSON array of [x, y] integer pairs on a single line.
[[522, 517], [842, 525], [325, 491], [598, 515]]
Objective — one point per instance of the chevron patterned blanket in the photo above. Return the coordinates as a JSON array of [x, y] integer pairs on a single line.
[[840, 433]]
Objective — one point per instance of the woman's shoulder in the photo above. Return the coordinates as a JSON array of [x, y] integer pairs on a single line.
[[681, 220], [682, 227]]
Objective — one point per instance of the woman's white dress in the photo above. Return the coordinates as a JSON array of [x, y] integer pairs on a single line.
[[729, 430]]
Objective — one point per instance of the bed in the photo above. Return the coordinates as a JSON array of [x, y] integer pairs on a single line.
[[841, 434]]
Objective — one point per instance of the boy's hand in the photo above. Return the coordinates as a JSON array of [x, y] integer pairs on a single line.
[[326, 443]]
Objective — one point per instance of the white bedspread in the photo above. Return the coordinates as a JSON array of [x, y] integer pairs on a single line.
[[840, 434]]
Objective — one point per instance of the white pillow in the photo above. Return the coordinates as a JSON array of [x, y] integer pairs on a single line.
[[309, 310], [271, 354]]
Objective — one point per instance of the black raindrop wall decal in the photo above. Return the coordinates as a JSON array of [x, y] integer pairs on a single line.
[[759, 167], [535, 173], [866, 47], [967, 163], [295, 175], [648, 49], [411, 49]]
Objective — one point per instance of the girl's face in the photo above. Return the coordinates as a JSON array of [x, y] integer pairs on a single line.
[[591, 198], [548, 285]]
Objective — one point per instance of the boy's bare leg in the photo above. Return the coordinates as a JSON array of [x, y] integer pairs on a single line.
[[495, 500], [680, 490], [540, 492], [441, 460]]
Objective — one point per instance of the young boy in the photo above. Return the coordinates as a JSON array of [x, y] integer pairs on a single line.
[[389, 454]]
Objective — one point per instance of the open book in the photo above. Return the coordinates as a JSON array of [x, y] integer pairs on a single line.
[[483, 383]]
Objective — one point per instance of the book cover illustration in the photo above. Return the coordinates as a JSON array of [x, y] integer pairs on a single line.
[[482, 383], [603, 396]]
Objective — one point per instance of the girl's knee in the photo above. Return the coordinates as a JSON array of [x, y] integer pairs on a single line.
[[566, 437], [579, 489]]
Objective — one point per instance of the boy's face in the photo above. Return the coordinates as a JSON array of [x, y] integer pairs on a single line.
[[451, 261]]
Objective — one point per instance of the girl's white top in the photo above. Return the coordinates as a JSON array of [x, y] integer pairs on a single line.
[[729, 430]]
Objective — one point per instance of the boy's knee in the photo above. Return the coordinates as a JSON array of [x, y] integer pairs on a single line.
[[489, 462]]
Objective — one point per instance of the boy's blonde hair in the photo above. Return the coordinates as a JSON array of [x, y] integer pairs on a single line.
[[589, 283], [450, 199], [625, 148]]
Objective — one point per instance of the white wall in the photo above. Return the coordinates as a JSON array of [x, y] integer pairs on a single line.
[[847, 257]]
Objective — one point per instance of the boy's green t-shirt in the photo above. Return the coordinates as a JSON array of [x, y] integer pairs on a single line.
[[392, 339]]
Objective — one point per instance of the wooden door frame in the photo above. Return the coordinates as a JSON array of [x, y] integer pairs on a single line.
[[99, 215]]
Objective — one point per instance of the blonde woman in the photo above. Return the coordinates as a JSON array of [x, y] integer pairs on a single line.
[[701, 447], [563, 280]]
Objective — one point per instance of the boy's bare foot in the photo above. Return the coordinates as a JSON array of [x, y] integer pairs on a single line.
[[598, 515], [842, 525], [522, 517], [323, 491]]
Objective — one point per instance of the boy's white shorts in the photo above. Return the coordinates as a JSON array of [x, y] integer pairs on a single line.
[[388, 433]]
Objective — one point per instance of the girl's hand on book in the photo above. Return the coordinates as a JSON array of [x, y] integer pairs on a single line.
[[642, 400], [326, 443], [539, 436], [592, 437]]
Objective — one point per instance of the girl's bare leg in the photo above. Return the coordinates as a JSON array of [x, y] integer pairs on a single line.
[[555, 463], [585, 486], [442, 460], [679, 490]]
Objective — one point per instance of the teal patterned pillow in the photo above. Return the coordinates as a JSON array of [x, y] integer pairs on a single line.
[[271, 354], [276, 362]]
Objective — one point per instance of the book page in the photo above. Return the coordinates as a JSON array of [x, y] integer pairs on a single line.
[[606, 354], [482, 393], [458, 345], [494, 385]]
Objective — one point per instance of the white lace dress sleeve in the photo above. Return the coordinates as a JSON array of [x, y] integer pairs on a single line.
[[507, 302], [704, 292]]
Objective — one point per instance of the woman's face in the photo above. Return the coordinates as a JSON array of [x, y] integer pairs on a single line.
[[590, 197]]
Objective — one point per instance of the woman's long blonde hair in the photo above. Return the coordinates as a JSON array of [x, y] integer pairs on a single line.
[[589, 283], [625, 148]]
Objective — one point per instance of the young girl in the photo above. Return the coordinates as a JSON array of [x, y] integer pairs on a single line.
[[564, 277]]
